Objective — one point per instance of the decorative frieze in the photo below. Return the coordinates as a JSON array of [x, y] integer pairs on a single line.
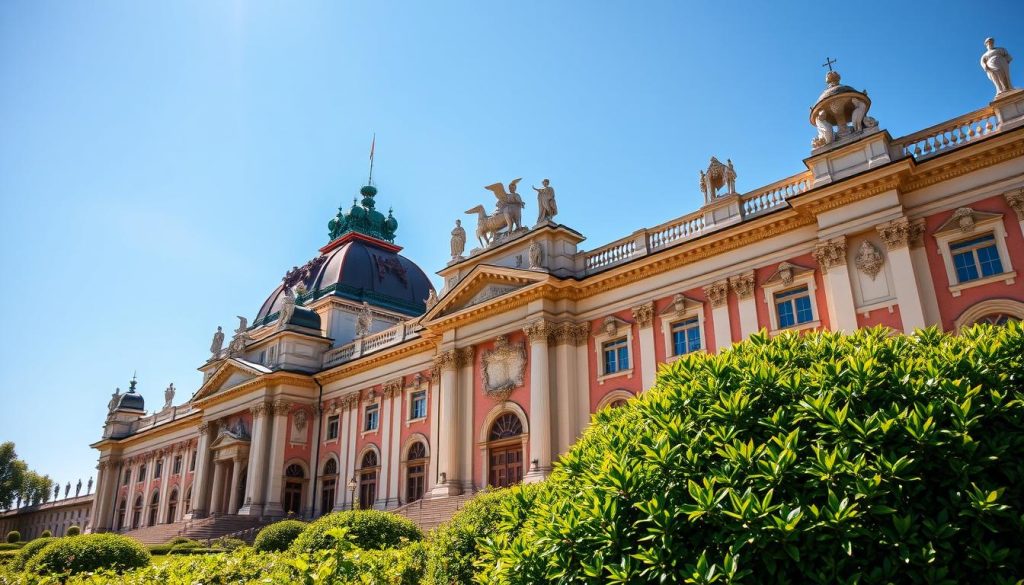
[[537, 331], [1015, 199], [643, 315], [901, 232], [742, 285], [717, 293], [869, 259], [830, 253]]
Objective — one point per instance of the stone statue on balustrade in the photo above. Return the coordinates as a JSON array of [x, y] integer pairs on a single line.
[[364, 320], [717, 176], [996, 64], [67, 490], [507, 217], [217, 343], [114, 399], [237, 346], [169, 396], [841, 112], [458, 242], [88, 487], [56, 491], [287, 308], [78, 488], [547, 209]]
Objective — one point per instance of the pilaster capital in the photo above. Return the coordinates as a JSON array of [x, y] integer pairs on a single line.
[[643, 315], [901, 233], [261, 409], [537, 331], [742, 285], [282, 407], [1015, 199], [568, 332], [392, 386], [204, 427], [464, 356], [717, 293], [446, 360], [830, 253]]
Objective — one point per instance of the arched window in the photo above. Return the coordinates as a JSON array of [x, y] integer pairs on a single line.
[[121, 511], [368, 480], [188, 500], [137, 512], [617, 403], [295, 470], [172, 506], [329, 486], [505, 451], [294, 476], [154, 506], [992, 312], [995, 319], [416, 472]]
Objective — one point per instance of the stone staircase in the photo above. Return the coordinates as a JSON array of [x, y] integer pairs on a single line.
[[203, 529], [428, 514]]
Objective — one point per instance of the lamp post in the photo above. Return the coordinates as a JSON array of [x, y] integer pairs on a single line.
[[352, 493]]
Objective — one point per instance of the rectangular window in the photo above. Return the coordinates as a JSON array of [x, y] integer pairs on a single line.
[[192, 464], [685, 336], [158, 469], [127, 476], [332, 427], [793, 307], [976, 258], [177, 464], [142, 473], [371, 417], [616, 356], [418, 405]]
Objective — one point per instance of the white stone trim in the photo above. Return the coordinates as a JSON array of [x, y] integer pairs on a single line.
[[992, 224], [498, 410], [407, 419], [362, 416], [668, 319], [979, 310], [612, 397], [771, 288], [623, 330]]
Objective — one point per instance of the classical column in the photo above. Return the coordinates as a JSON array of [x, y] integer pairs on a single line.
[[217, 491], [355, 425], [345, 426], [236, 477], [275, 459], [317, 469], [447, 450], [580, 336], [742, 286], [165, 480], [831, 256], [384, 494], [898, 236], [396, 446], [434, 395], [200, 494], [103, 506], [130, 497], [539, 465], [644, 318], [718, 295], [257, 471]]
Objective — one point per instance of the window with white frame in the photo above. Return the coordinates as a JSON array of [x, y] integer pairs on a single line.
[[685, 336], [615, 354], [613, 344], [332, 427], [192, 464], [177, 464], [793, 307], [418, 405], [158, 468], [371, 417], [973, 249]]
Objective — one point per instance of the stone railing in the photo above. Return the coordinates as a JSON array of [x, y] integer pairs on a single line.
[[948, 135], [371, 343], [673, 231], [609, 255], [771, 196]]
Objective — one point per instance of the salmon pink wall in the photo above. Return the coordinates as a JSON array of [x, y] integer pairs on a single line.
[[482, 403], [820, 301], [660, 305], [634, 384], [882, 316], [421, 427], [951, 307], [372, 438], [299, 451]]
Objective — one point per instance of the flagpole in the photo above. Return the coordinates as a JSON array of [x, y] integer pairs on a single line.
[[372, 145]]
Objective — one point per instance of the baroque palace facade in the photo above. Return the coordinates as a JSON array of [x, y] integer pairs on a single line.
[[357, 384]]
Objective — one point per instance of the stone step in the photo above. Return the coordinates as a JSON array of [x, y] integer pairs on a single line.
[[428, 514]]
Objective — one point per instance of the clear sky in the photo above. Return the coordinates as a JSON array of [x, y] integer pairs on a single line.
[[162, 164]]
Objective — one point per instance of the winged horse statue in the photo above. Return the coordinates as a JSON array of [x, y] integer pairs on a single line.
[[507, 216]]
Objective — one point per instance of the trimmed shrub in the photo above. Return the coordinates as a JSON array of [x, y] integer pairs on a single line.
[[228, 543], [11, 545], [89, 552], [159, 549], [181, 540], [455, 545], [13, 536], [29, 551], [73, 531], [184, 547], [818, 458], [366, 529], [278, 536], [46, 534]]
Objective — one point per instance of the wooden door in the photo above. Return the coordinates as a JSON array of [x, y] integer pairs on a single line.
[[293, 497], [506, 466]]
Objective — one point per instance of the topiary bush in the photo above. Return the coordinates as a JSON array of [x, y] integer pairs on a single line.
[[819, 458], [89, 552], [455, 545], [29, 551], [366, 529], [13, 536], [45, 534], [278, 536], [227, 543], [182, 540], [73, 531]]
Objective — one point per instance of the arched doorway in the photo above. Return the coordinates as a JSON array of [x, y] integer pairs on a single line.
[[368, 480], [188, 500], [154, 506], [294, 476], [416, 472], [329, 486], [122, 510], [505, 451], [137, 512], [172, 506]]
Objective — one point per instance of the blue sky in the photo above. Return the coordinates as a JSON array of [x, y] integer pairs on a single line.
[[162, 164]]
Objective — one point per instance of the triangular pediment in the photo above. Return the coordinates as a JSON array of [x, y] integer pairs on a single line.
[[230, 373], [965, 219], [483, 284]]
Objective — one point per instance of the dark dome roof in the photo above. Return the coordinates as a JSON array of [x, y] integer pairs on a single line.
[[360, 269], [303, 317], [131, 400]]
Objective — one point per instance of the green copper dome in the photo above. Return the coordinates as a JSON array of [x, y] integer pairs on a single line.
[[362, 218]]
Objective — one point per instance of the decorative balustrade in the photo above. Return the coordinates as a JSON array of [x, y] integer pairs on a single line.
[[949, 135], [671, 232], [382, 338], [611, 254], [371, 343], [766, 198]]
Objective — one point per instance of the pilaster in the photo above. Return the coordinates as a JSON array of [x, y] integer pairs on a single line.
[[742, 285], [718, 295], [540, 402], [898, 236], [396, 445], [257, 472], [643, 316], [447, 363], [200, 491], [275, 459], [842, 311]]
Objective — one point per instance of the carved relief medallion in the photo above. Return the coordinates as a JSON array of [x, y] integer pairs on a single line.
[[869, 259], [503, 368]]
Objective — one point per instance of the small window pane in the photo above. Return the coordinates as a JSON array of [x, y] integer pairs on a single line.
[[419, 405], [786, 318], [803, 310], [988, 257]]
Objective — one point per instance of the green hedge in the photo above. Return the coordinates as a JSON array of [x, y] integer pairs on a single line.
[[90, 552], [29, 551], [278, 536], [366, 529], [45, 534], [11, 545], [818, 458], [73, 531], [13, 536]]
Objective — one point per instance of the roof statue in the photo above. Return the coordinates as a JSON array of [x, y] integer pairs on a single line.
[[114, 399], [547, 209], [458, 242], [237, 346], [364, 320], [507, 217], [716, 177], [364, 219], [995, 61], [169, 396], [217, 344], [78, 488], [840, 112], [287, 308]]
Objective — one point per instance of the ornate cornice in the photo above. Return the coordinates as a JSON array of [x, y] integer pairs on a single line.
[[717, 293], [742, 285], [643, 315], [830, 253], [537, 331], [965, 160]]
